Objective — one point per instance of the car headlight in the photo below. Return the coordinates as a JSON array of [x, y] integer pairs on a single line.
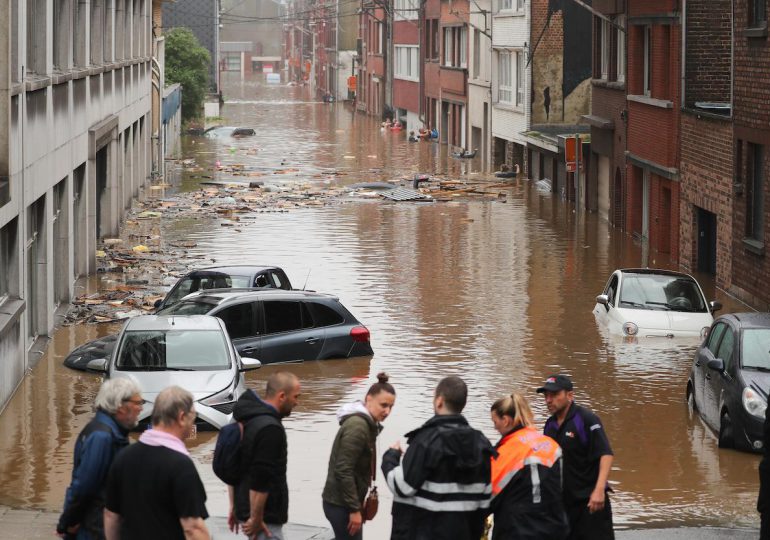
[[754, 404], [630, 329], [225, 396], [704, 332]]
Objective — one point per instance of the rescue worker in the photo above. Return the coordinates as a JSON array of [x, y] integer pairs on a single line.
[[526, 477], [587, 461], [441, 489]]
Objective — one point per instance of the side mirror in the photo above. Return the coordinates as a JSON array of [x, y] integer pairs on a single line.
[[157, 303], [603, 299], [248, 364], [715, 306], [98, 364], [717, 364]]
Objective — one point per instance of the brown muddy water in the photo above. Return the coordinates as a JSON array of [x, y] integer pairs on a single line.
[[499, 293]]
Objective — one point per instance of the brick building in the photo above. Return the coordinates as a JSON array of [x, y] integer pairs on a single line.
[[751, 114], [373, 57], [652, 156], [406, 64], [706, 162], [430, 94], [606, 173], [453, 72]]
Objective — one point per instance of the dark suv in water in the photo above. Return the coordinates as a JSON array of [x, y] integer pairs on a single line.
[[730, 379], [274, 325]]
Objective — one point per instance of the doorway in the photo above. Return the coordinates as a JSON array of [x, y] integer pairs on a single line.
[[707, 241]]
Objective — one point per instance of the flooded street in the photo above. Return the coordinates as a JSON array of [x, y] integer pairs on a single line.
[[498, 292]]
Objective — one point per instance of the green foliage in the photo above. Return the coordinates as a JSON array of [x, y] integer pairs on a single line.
[[187, 63]]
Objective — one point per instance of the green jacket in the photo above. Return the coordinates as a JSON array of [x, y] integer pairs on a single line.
[[350, 463]]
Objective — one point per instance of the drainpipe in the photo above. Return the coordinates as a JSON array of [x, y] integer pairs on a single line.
[[158, 163]]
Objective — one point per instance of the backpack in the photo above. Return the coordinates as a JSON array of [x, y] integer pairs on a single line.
[[227, 454]]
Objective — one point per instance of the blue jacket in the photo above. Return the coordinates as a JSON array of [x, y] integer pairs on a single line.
[[95, 449]]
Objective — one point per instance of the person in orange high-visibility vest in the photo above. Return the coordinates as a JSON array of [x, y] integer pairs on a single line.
[[526, 477]]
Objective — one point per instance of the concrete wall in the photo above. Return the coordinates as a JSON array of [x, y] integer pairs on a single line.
[[78, 151]]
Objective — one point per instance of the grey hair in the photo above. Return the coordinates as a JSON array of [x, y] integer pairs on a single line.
[[114, 392], [169, 403]]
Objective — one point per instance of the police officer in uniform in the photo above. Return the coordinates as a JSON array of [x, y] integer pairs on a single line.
[[587, 460]]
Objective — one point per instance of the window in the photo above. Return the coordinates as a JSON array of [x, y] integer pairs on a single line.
[[282, 316], [506, 5], [755, 220], [406, 9], [714, 336], [455, 47], [757, 13], [520, 76], [476, 53], [407, 62], [726, 347], [324, 315], [756, 348], [647, 61], [604, 44], [239, 320], [36, 36], [504, 88], [620, 49], [612, 290], [519, 5], [8, 261]]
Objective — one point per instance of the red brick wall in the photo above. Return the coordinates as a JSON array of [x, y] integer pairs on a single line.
[[610, 103], [406, 33], [706, 176], [406, 95], [709, 49]]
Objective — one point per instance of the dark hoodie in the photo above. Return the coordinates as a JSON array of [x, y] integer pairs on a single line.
[[442, 488], [263, 455]]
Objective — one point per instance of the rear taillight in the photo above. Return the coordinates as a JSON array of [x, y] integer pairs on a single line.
[[360, 334]]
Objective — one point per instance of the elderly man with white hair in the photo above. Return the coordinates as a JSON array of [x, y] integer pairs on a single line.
[[117, 406]]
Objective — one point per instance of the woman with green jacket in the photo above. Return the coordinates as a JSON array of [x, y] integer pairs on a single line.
[[353, 458]]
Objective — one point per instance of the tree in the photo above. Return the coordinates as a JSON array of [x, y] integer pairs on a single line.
[[187, 63]]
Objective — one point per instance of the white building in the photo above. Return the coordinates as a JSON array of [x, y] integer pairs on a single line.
[[480, 79], [510, 80], [75, 84]]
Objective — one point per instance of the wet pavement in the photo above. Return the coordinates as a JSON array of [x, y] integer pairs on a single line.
[[497, 290]]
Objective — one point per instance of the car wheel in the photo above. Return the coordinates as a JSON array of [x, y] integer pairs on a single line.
[[691, 406], [726, 439]]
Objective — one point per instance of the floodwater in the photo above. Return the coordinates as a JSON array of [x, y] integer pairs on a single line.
[[498, 292]]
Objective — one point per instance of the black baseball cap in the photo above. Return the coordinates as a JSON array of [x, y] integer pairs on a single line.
[[554, 383]]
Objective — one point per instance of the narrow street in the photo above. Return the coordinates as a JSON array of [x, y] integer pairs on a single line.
[[499, 292]]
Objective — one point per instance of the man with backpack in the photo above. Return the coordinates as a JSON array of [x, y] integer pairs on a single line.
[[587, 460], [259, 500]]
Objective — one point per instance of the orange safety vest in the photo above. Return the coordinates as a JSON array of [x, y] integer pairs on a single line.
[[524, 447]]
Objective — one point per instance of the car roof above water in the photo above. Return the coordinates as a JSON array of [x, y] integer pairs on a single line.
[[172, 322], [219, 296], [234, 269], [749, 320], [655, 271]]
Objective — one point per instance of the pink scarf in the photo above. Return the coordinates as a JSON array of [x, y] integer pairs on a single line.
[[156, 437]]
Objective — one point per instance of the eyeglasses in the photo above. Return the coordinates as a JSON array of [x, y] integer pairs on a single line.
[[138, 402]]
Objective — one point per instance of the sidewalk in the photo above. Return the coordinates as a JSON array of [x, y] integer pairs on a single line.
[[18, 524]]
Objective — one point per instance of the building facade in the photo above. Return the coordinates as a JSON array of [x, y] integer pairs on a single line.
[[454, 22], [75, 149], [406, 64], [373, 57], [250, 36]]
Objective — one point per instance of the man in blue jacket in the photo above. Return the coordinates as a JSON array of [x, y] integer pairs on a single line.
[[117, 405]]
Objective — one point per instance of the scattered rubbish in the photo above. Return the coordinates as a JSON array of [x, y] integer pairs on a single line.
[[405, 194], [140, 249]]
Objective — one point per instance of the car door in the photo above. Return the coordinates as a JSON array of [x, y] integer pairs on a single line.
[[717, 381], [700, 366], [242, 323], [288, 333]]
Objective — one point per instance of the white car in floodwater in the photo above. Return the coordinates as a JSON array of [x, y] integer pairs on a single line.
[[650, 303], [191, 351]]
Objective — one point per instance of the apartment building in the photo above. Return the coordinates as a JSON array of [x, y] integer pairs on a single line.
[[74, 150], [430, 54], [406, 63], [373, 56], [511, 89], [454, 21], [480, 80]]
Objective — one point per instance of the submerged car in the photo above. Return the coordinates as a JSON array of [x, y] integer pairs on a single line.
[[730, 379], [193, 352], [644, 302], [281, 326], [221, 277]]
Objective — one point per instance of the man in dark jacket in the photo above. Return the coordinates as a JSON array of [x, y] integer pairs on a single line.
[[117, 405], [442, 488], [261, 500]]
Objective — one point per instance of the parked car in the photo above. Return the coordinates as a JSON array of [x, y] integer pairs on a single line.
[[730, 379], [281, 326], [221, 277], [645, 302], [193, 352]]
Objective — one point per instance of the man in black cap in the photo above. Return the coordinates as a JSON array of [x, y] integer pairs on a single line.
[[587, 461]]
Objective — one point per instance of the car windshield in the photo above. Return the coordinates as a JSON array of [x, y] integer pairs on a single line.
[[755, 345], [206, 280], [199, 306], [182, 350], [661, 292]]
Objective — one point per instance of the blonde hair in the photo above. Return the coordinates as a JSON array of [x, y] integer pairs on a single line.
[[517, 407]]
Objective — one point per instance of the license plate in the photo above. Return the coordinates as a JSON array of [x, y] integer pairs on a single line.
[[193, 432]]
